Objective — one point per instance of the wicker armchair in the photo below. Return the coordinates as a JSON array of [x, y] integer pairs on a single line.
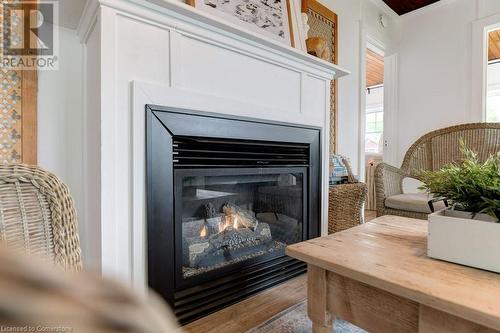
[[430, 152], [345, 209], [37, 215], [345, 203], [42, 298]]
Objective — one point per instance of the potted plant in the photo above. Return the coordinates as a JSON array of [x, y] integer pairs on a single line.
[[468, 232]]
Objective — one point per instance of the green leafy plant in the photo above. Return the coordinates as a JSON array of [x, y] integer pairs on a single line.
[[470, 185]]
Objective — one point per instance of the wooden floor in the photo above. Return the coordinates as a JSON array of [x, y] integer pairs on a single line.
[[253, 311], [256, 310]]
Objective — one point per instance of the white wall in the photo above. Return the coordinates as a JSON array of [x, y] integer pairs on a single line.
[[59, 108], [434, 54], [435, 67], [487, 7], [91, 124], [353, 15], [60, 117], [387, 36]]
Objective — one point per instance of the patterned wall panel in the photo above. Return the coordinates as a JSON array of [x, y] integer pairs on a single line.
[[323, 23], [17, 87], [10, 116]]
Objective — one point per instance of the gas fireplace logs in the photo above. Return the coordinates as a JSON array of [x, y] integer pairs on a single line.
[[225, 238], [243, 217]]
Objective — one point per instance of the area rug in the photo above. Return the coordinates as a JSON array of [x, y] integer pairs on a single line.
[[295, 320]]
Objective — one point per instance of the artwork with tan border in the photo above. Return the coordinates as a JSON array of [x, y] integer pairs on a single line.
[[18, 112], [323, 23]]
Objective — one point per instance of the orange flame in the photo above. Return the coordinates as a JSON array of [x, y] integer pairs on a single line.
[[204, 231]]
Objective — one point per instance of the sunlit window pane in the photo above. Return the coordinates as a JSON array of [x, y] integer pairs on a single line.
[[493, 106], [493, 95], [374, 120]]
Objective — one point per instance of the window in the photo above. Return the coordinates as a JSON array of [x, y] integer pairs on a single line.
[[493, 110], [374, 120], [493, 94], [493, 77]]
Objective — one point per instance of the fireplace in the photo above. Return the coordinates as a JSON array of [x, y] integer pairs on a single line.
[[230, 216], [225, 196]]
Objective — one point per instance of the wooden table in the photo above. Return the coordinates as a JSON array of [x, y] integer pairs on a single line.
[[378, 277]]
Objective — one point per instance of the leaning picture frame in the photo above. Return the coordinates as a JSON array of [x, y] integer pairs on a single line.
[[272, 18]]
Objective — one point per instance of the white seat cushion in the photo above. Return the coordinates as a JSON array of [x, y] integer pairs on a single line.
[[411, 185], [413, 202]]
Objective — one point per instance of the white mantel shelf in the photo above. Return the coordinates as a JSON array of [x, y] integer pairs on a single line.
[[213, 22], [163, 52], [188, 14]]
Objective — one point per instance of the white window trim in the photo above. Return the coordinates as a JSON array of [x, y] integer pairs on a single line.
[[479, 66], [365, 40], [391, 105]]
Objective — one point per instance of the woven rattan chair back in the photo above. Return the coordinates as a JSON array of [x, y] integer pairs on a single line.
[[438, 148], [37, 215], [345, 203]]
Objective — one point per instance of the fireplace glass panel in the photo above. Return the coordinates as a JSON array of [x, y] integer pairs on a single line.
[[233, 217]]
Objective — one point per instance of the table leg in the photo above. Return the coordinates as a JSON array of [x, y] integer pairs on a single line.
[[317, 295]]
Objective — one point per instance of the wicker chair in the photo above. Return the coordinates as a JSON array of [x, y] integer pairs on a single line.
[[43, 298], [430, 152], [37, 215], [345, 209], [345, 203]]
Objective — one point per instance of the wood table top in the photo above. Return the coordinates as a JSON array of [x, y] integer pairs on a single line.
[[389, 253]]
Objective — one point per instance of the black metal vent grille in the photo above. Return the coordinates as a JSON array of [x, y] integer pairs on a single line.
[[201, 300], [192, 152]]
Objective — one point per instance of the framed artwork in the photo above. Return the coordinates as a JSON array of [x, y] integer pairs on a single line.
[[271, 18], [323, 23]]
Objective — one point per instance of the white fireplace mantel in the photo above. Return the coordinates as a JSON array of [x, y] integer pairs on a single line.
[[165, 52]]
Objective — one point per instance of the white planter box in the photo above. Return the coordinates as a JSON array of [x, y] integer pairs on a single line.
[[455, 237]]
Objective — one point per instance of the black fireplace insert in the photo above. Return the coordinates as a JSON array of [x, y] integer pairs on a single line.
[[225, 196]]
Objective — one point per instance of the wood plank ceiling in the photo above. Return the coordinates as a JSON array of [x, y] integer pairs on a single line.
[[374, 68], [405, 6], [494, 45]]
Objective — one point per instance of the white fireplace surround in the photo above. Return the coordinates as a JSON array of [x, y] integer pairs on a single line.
[[163, 52]]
